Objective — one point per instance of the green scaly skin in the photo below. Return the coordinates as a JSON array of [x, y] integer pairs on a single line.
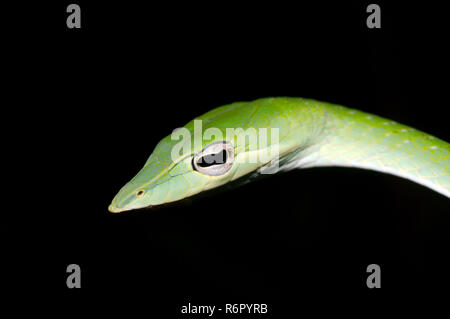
[[311, 133]]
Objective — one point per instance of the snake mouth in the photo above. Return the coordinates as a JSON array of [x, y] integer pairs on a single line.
[[114, 209]]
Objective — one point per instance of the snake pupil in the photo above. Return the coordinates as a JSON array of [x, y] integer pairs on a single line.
[[213, 159]]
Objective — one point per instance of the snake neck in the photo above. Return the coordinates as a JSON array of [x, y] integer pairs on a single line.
[[353, 138]]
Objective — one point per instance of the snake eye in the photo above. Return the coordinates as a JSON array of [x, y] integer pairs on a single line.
[[215, 159], [140, 193]]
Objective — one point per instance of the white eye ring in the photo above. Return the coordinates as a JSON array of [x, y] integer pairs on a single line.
[[215, 169]]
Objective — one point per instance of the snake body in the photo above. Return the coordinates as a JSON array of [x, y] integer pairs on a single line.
[[310, 134]]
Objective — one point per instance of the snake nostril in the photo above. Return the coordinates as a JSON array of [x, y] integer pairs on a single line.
[[140, 193]]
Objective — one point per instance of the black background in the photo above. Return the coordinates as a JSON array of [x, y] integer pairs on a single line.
[[101, 97]]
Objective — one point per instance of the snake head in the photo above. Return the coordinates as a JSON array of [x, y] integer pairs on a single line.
[[164, 179], [192, 160]]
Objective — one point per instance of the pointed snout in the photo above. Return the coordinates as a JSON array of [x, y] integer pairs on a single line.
[[120, 202], [115, 209]]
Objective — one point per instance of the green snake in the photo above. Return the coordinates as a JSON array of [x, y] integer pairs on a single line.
[[309, 133]]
